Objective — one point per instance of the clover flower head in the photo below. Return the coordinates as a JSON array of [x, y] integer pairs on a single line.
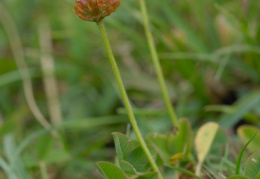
[[95, 10]]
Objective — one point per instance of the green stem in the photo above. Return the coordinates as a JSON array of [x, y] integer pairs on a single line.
[[43, 170], [126, 100], [157, 64]]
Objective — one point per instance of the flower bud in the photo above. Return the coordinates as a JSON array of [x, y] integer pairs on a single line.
[[95, 10]]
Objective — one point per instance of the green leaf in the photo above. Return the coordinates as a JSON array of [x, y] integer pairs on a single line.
[[7, 66], [159, 142], [242, 107], [252, 168], [111, 171], [7, 169], [123, 145], [15, 162], [181, 142], [44, 145], [257, 176], [138, 159], [127, 167], [237, 177], [150, 175], [245, 132], [56, 156]]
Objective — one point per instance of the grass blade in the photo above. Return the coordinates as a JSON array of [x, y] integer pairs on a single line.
[[241, 154]]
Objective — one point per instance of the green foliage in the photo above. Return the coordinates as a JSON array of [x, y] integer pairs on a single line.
[[139, 160], [257, 176], [111, 171], [209, 52], [132, 159], [131, 156], [181, 142], [127, 167], [123, 145], [240, 109], [252, 168], [245, 132], [160, 141], [241, 154], [17, 167], [173, 145]]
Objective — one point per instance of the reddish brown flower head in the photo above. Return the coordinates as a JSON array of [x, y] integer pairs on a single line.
[[95, 10]]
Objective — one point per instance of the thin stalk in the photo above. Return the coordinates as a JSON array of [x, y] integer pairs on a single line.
[[16, 46], [157, 64], [43, 170], [48, 70], [126, 100]]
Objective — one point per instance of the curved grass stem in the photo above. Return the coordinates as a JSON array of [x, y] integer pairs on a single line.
[[16, 46], [126, 100], [157, 64]]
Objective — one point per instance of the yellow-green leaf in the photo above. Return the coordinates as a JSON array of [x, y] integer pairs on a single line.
[[203, 142], [204, 139]]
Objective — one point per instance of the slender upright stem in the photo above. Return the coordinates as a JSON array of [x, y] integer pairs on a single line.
[[126, 100], [157, 64], [48, 70], [43, 170]]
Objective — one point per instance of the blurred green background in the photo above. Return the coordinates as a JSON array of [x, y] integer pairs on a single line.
[[209, 50]]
